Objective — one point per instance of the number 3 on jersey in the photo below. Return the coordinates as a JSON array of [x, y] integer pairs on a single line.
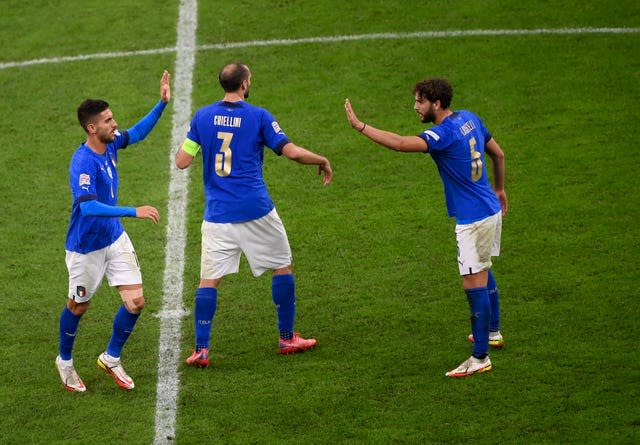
[[223, 159], [476, 161]]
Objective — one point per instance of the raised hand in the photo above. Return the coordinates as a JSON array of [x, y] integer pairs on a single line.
[[165, 88]]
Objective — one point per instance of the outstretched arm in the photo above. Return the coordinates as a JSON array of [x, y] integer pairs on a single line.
[[304, 156], [497, 157], [144, 126], [386, 138]]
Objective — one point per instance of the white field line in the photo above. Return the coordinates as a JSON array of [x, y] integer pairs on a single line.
[[172, 308], [419, 35], [329, 39]]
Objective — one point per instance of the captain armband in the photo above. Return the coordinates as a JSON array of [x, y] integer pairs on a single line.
[[190, 147]]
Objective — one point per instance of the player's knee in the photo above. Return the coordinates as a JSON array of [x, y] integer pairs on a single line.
[[133, 300], [213, 282], [135, 305], [287, 270], [78, 309]]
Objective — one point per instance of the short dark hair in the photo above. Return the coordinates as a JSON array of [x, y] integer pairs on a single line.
[[232, 76], [435, 89], [89, 109]]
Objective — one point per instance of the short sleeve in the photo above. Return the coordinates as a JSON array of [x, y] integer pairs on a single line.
[[275, 138], [83, 176], [192, 133], [434, 138]]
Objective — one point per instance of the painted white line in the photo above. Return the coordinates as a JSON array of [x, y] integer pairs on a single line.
[[419, 35], [330, 39], [83, 57], [172, 309]]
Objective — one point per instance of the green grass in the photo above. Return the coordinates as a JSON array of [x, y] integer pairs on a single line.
[[374, 253]]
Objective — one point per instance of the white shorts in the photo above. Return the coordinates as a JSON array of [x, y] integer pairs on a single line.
[[118, 262], [263, 241], [477, 243]]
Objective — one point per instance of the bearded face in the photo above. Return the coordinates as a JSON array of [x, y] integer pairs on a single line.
[[105, 126], [425, 109]]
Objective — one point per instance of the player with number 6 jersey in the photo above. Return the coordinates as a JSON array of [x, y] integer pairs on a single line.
[[457, 143], [240, 217], [457, 147]]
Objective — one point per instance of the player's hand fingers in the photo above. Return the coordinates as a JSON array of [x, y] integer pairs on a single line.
[[328, 174], [165, 90], [351, 116], [150, 212], [155, 215]]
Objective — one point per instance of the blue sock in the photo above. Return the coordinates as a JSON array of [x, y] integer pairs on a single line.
[[494, 321], [480, 312], [205, 309], [283, 292], [123, 324], [68, 329]]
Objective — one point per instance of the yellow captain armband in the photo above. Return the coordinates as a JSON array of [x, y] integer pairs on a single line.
[[190, 147]]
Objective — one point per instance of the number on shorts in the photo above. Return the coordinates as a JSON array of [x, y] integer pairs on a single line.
[[476, 161], [223, 159]]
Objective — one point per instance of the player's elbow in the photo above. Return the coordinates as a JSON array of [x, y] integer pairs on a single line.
[[494, 150], [292, 151], [181, 165], [183, 159]]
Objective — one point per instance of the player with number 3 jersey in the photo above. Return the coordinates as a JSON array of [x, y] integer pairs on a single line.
[[240, 217], [234, 135]]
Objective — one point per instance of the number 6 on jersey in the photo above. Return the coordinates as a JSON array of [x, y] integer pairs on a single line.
[[476, 161]]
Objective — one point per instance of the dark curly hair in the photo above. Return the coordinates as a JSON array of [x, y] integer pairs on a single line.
[[435, 89]]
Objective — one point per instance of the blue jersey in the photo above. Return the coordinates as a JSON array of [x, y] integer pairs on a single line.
[[94, 176], [232, 136], [457, 147]]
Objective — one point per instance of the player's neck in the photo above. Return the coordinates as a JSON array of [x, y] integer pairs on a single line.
[[233, 97], [442, 115], [96, 146]]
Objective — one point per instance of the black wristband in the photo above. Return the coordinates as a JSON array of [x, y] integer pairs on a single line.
[[362, 129]]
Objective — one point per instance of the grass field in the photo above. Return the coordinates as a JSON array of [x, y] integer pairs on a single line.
[[374, 253]]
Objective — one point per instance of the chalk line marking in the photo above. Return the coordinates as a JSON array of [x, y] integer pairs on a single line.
[[172, 309], [329, 39]]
